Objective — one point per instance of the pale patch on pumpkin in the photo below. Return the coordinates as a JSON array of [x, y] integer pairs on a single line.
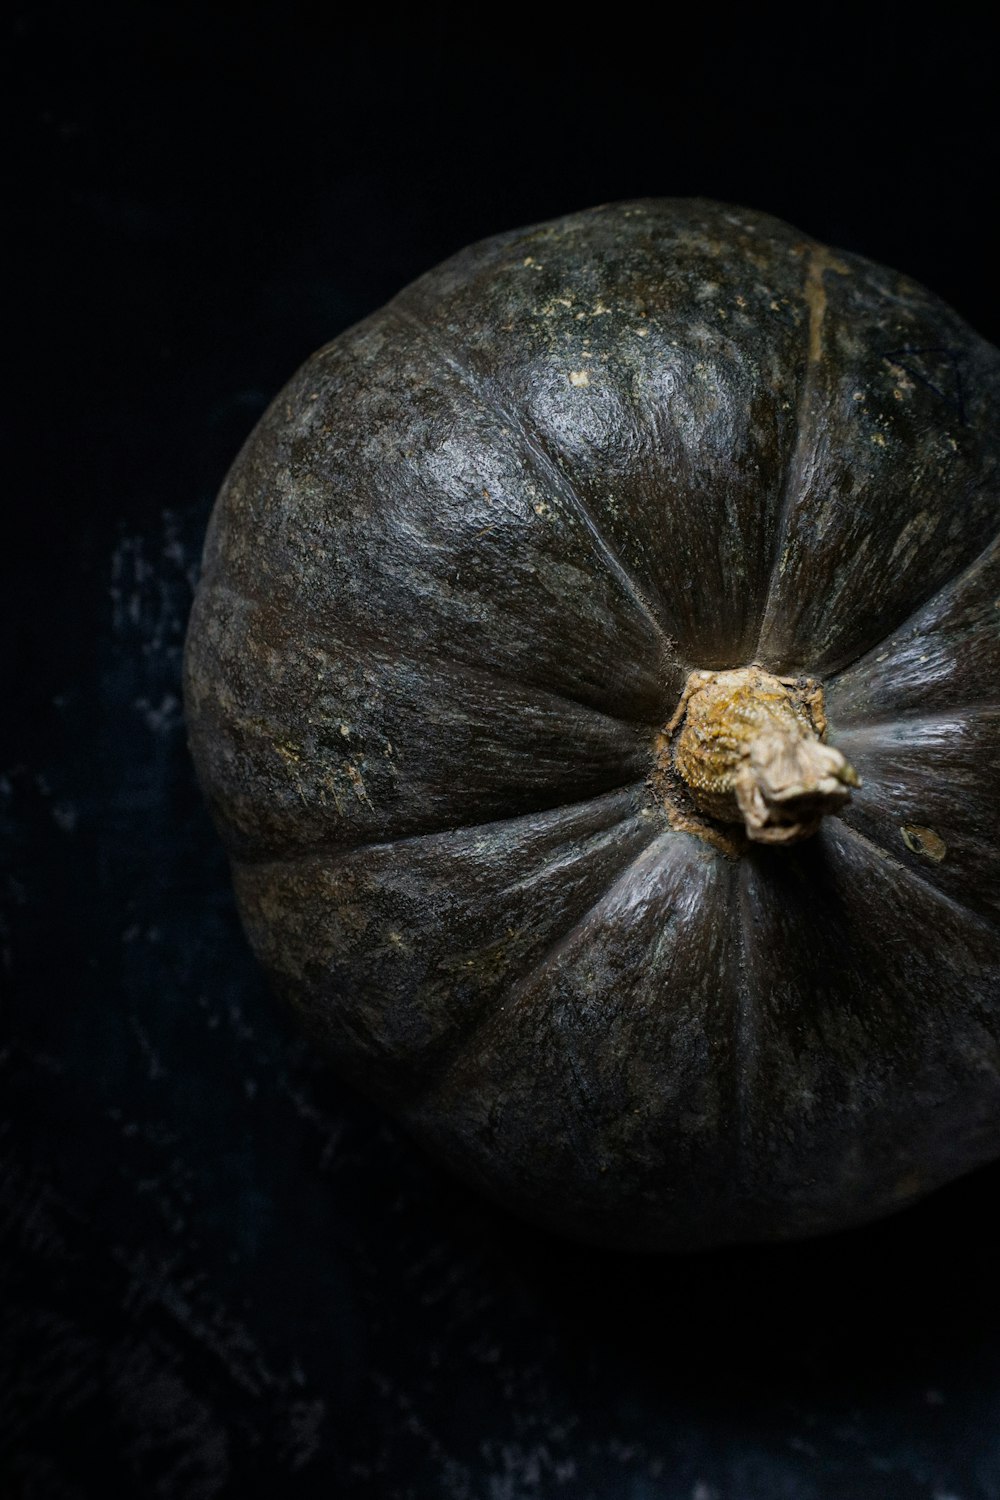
[[915, 534], [902, 379], [360, 790], [291, 755], [924, 841]]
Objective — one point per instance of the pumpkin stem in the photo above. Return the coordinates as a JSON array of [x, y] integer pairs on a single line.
[[749, 748]]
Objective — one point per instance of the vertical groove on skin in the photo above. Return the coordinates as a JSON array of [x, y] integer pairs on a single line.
[[610, 1091], [933, 601], [814, 291], [552, 472], [412, 943], [559, 945], [538, 448], [464, 1044]]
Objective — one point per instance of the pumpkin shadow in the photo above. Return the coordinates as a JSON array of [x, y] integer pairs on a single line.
[[911, 1302]]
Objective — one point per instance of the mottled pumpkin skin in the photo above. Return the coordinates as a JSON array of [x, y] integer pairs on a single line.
[[452, 590]]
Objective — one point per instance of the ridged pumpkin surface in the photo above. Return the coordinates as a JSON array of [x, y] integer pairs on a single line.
[[453, 589]]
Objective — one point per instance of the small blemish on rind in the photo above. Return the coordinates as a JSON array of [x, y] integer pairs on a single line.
[[924, 841]]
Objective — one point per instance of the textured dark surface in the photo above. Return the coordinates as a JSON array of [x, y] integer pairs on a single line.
[[452, 590], [222, 1274]]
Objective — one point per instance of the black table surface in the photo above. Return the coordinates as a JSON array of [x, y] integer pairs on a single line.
[[224, 1274]]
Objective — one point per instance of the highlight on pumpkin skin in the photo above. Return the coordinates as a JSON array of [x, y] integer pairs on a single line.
[[748, 748]]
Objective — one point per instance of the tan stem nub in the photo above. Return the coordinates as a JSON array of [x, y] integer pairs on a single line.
[[785, 785], [749, 748]]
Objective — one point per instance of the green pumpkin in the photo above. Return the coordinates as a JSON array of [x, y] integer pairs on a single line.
[[490, 831]]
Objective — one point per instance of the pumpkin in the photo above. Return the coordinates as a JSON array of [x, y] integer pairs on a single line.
[[593, 676]]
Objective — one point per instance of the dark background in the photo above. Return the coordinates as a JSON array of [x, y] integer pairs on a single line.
[[223, 1274]]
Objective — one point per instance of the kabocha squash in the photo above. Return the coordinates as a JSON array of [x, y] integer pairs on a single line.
[[594, 678]]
